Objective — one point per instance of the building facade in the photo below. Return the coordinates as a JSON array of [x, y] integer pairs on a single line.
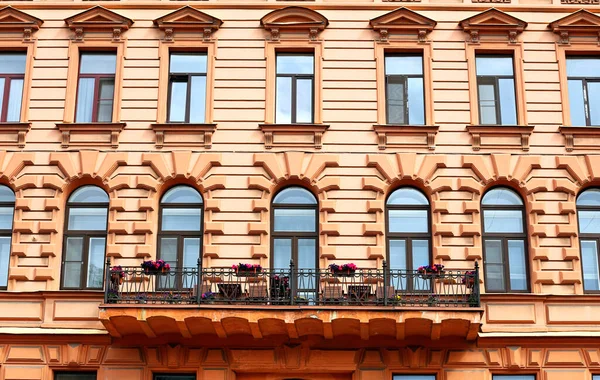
[[269, 190]]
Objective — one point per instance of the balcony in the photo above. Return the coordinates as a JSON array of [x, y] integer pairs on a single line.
[[292, 302]]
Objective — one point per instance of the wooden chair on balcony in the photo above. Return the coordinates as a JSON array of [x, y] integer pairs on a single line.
[[257, 293], [383, 292], [332, 293]]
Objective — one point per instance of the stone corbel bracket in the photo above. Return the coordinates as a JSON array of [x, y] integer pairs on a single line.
[[188, 19], [578, 24], [293, 135], [90, 134], [98, 19], [170, 134], [402, 21], [492, 22], [500, 136], [405, 136]]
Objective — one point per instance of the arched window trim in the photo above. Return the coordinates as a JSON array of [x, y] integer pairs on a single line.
[[407, 236], [86, 235], [587, 236], [505, 237], [7, 233], [180, 235]]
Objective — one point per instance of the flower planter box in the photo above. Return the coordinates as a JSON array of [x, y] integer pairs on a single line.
[[432, 275], [345, 273], [248, 273]]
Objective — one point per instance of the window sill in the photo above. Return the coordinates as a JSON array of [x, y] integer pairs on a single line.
[[580, 137], [405, 136], [13, 133], [293, 135], [90, 134], [500, 136], [184, 134]]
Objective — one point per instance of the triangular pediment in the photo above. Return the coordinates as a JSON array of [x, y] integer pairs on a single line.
[[581, 20], [97, 18], [188, 17], [402, 18], [16, 20], [493, 19], [294, 18]]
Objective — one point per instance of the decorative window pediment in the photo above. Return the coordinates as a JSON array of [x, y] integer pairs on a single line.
[[294, 20], [580, 23], [14, 20], [98, 19], [493, 22], [188, 19], [403, 21]]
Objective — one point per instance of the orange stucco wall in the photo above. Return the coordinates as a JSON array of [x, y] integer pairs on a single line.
[[238, 163]]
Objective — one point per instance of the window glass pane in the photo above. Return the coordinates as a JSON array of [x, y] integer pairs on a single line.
[[198, 99], [295, 195], [188, 63], [576, 103], [494, 264], [178, 101], [408, 221], [295, 64], [497, 221], [583, 67], [284, 101], [396, 103], [304, 101], [105, 103], [182, 194], [95, 270], [398, 254], [494, 65], [403, 65], [590, 197], [508, 105], [299, 220], [89, 194], [75, 376], [517, 269], [6, 194], [85, 100], [74, 249], [87, 219], [416, 101], [407, 196], [589, 263], [2, 83], [98, 63], [593, 101], [13, 63], [6, 218], [73, 261], [487, 104], [420, 257], [168, 250], [282, 253], [307, 260], [72, 276], [181, 219], [15, 97], [501, 197], [191, 253], [4, 260], [414, 377], [589, 222]]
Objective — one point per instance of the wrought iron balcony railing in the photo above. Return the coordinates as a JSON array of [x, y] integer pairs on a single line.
[[292, 286]]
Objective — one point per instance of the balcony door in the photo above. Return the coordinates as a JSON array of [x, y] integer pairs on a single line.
[[295, 237]]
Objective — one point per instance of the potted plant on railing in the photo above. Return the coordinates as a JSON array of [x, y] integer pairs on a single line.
[[155, 267], [117, 274], [280, 289], [112, 296], [342, 270], [247, 269], [431, 271], [469, 279], [141, 298], [299, 300], [208, 297]]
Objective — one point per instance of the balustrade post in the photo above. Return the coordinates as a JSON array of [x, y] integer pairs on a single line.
[[476, 284], [292, 283], [198, 282], [107, 287], [385, 284]]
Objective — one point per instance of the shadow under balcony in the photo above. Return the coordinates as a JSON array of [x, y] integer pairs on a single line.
[[291, 302]]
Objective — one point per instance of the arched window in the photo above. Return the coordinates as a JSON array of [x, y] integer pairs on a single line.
[[180, 227], [504, 247], [408, 234], [85, 239], [588, 216], [295, 236], [7, 208]]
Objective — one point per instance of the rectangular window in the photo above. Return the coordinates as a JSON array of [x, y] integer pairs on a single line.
[[294, 99], [405, 97], [187, 88], [414, 377], [496, 90], [75, 376], [174, 377], [513, 377], [96, 87], [583, 77], [12, 76]]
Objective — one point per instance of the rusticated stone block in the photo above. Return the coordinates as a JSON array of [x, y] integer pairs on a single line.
[[330, 229], [371, 229]]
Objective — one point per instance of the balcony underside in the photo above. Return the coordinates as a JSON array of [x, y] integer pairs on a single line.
[[291, 322]]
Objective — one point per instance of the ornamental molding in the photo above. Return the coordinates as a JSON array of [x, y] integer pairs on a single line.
[[15, 21], [98, 19], [188, 19], [582, 23], [402, 21], [294, 20], [493, 22]]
